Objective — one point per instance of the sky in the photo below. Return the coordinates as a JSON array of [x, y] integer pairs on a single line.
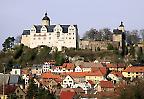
[[17, 15]]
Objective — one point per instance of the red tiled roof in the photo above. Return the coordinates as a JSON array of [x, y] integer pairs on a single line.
[[68, 65], [67, 95], [75, 74], [118, 74], [49, 75], [134, 69], [115, 65], [97, 73], [106, 84], [8, 89]]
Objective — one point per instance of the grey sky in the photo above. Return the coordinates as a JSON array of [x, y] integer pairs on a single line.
[[16, 15]]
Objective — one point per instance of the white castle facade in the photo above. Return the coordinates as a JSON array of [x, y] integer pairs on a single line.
[[51, 35]]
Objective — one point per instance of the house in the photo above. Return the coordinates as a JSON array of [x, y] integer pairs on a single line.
[[115, 76], [134, 72], [16, 71], [87, 66], [46, 67], [116, 67], [20, 93], [51, 35], [79, 77], [68, 81], [68, 67], [47, 77], [8, 91], [105, 86], [95, 76], [36, 69], [78, 69]]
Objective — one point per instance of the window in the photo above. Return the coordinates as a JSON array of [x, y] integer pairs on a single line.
[[136, 72], [15, 72], [17, 91], [33, 38], [70, 81], [64, 81], [49, 37], [128, 72], [58, 34]]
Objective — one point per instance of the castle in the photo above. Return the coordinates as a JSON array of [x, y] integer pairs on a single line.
[[51, 35]]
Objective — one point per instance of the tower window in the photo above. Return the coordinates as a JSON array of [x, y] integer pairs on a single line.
[[58, 34]]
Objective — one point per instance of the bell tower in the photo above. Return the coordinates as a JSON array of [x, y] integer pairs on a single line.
[[46, 20]]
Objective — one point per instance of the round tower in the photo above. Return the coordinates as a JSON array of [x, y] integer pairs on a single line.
[[121, 27], [46, 20]]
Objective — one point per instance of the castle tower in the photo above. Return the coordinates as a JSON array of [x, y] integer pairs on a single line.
[[121, 27], [46, 20]]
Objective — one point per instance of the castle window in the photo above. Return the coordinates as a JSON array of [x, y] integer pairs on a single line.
[[73, 37], [69, 38], [49, 33], [69, 33], [33, 38], [58, 34], [49, 37], [44, 38], [73, 33], [39, 38]]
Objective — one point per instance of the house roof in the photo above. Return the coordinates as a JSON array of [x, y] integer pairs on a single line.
[[90, 64], [134, 69], [14, 79], [106, 84], [91, 82], [68, 66], [118, 74], [26, 32], [120, 65], [67, 95], [75, 74], [49, 29], [102, 69], [49, 75], [97, 73], [8, 89]]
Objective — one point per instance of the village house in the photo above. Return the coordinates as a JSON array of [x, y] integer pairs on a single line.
[[116, 67], [134, 72], [68, 82], [105, 86]]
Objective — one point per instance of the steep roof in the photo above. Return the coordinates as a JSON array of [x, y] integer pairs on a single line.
[[118, 74], [49, 29], [26, 32]]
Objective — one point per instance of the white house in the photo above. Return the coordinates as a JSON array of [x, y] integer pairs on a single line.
[[16, 71], [46, 67], [68, 81], [78, 69]]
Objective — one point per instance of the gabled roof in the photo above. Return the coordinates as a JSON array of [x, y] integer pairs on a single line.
[[134, 69], [106, 84], [49, 29]]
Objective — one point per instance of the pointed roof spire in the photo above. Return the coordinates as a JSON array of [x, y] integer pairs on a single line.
[[46, 17], [121, 25]]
